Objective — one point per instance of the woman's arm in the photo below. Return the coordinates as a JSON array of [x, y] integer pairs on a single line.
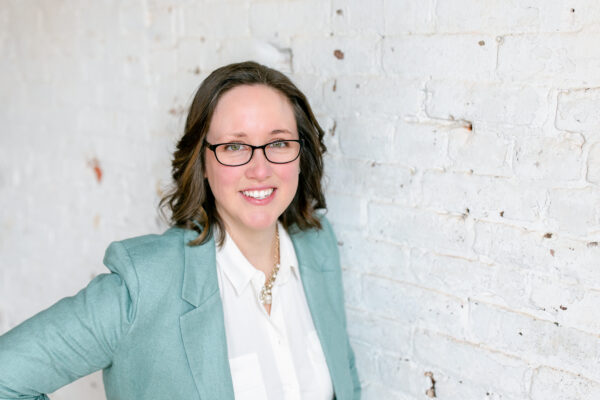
[[71, 339]]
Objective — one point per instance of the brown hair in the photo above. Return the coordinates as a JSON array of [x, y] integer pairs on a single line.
[[191, 201]]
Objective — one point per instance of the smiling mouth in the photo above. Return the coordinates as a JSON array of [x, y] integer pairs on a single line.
[[258, 194]]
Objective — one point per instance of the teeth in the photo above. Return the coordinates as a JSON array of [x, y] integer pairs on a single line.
[[258, 194]]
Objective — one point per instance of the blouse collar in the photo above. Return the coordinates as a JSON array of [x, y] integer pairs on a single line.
[[240, 272]]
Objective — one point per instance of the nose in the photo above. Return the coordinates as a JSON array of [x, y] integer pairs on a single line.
[[259, 167]]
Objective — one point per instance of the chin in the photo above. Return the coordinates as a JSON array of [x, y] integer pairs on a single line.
[[261, 222]]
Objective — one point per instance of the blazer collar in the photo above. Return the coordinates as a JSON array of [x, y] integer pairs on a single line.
[[320, 278], [199, 274], [203, 328]]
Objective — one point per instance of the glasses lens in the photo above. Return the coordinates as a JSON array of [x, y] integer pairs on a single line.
[[282, 151], [233, 153]]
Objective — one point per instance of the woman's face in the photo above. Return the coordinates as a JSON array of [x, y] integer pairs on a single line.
[[256, 115]]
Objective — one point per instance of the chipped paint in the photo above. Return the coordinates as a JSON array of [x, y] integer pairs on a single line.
[[94, 164]]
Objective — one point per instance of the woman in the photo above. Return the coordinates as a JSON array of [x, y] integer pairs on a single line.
[[241, 297]]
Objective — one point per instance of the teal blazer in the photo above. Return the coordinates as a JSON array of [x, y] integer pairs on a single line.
[[154, 325]]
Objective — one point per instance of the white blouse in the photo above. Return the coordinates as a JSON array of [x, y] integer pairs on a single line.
[[277, 356]]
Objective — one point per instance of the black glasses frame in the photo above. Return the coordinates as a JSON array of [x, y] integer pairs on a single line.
[[213, 148]]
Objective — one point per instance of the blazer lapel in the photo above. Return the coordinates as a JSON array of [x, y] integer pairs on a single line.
[[316, 275], [203, 327]]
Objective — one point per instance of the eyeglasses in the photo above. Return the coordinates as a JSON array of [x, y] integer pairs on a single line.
[[236, 154]]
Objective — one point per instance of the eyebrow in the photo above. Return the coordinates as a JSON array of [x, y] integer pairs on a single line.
[[273, 132]]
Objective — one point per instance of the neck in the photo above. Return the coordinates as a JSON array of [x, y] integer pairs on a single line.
[[257, 247]]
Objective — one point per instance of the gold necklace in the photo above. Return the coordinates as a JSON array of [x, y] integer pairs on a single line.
[[266, 297]]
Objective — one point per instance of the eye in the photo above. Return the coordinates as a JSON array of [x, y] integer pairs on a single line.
[[234, 147], [280, 144]]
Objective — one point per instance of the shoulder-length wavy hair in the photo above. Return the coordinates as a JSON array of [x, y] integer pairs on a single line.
[[191, 201]]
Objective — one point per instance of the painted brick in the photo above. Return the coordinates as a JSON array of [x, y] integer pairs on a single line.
[[371, 256], [440, 232], [578, 261], [412, 305], [380, 391], [578, 112], [357, 17], [488, 102], [538, 341], [465, 16], [331, 140], [484, 197], [205, 20], [571, 260], [421, 146], [403, 17], [196, 55], [369, 179], [279, 21], [236, 50], [358, 55], [3, 322], [514, 246], [352, 288], [56, 21], [449, 386], [400, 374], [548, 382], [366, 138], [550, 159], [575, 16], [576, 211], [505, 374], [348, 95], [470, 279], [385, 334], [131, 21], [569, 305], [366, 362], [439, 56], [162, 24], [593, 164], [345, 211], [312, 86], [480, 152], [551, 58]]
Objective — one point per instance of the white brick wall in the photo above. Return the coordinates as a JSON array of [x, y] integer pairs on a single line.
[[462, 178]]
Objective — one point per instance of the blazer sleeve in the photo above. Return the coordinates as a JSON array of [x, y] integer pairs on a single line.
[[351, 358], [74, 337]]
